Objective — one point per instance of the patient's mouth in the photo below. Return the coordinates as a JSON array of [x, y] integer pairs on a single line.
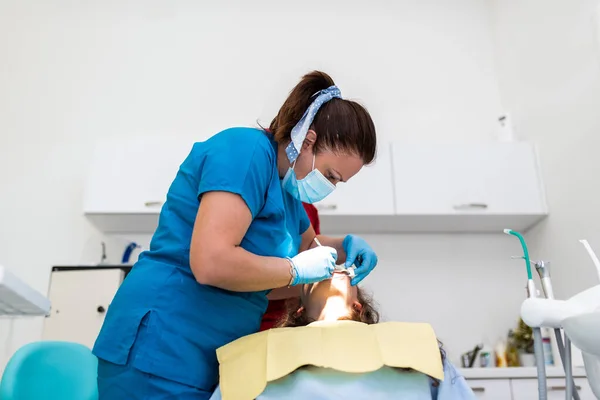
[[340, 275]]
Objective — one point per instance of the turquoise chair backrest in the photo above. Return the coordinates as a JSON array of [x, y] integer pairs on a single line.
[[51, 370]]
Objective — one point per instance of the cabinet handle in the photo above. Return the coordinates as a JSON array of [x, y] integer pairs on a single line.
[[324, 207], [467, 206], [153, 203], [478, 389], [101, 310], [578, 388]]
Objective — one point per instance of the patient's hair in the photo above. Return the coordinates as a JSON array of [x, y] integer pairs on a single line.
[[367, 314]]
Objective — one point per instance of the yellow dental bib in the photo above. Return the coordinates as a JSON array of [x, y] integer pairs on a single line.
[[249, 363]]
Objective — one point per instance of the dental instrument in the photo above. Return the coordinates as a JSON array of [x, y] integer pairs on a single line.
[[340, 268], [537, 332]]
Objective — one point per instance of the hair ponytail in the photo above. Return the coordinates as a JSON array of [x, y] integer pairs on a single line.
[[297, 103], [346, 127]]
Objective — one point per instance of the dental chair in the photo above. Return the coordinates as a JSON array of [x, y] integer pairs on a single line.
[[339, 360], [584, 332], [51, 370]]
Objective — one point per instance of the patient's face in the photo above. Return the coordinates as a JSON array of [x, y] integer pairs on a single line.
[[330, 300]]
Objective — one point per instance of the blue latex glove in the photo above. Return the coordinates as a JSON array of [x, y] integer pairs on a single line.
[[359, 253], [314, 265]]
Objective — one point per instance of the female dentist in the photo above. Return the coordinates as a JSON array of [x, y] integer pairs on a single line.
[[227, 234]]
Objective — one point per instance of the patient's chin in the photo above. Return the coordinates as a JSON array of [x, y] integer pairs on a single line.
[[341, 281], [338, 286]]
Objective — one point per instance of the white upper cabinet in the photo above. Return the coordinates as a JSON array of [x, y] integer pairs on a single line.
[[129, 179], [468, 187], [483, 187]]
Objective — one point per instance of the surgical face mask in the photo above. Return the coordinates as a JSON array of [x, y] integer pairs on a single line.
[[313, 188]]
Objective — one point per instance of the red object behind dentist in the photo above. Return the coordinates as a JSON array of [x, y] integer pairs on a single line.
[[277, 308]]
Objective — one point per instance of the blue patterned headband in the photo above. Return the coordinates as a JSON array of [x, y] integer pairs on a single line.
[[301, 129]]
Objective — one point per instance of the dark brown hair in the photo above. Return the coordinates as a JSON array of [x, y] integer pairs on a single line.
[[342, 126], [367, 314]]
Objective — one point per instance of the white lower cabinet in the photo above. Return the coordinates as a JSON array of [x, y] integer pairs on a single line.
[[527, 389], [79, 300], [491, 389]]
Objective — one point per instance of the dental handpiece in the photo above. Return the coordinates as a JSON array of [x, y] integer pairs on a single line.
[[543, 270]]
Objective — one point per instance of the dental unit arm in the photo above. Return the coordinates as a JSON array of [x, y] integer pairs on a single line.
[[579, 318]]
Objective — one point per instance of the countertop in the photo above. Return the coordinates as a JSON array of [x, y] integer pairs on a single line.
[[517, 372]]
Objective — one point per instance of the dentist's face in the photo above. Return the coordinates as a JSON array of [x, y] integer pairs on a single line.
[[335, 167]]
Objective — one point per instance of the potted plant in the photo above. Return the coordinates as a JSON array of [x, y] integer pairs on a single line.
[[523, 340]]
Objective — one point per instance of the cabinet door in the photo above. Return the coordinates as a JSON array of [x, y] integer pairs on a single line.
[[369, 192], [79, 300], [490, 389], [133, 176], [527, 389], [481, 178]]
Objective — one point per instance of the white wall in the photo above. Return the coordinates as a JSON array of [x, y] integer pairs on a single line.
[[72, 72], [548, 64]]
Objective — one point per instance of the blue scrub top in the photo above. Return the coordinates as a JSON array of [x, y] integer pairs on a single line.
[[176, 322]]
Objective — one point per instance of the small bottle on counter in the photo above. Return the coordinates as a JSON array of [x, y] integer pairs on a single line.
[[501, 361], [486, 357]]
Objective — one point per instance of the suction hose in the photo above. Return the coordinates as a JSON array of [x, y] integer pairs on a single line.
[[537, 332], [539, 362], [566, 362], [569, 370]]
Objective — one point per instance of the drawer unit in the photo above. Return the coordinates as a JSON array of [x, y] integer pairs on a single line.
[[527, 389], [490, 389], [79, 300]]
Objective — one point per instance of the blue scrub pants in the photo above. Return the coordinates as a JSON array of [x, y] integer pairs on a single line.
[[126, 382], [117, 382]]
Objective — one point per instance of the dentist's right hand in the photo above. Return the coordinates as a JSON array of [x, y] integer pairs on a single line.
[[314, 265]]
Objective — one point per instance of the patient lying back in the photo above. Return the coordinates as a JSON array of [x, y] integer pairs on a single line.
[[337, 355]]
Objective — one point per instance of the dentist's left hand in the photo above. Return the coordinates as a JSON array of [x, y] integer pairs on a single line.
[[359, 253]]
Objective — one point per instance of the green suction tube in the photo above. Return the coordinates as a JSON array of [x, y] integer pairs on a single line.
[[525, 251], [537, 332]]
